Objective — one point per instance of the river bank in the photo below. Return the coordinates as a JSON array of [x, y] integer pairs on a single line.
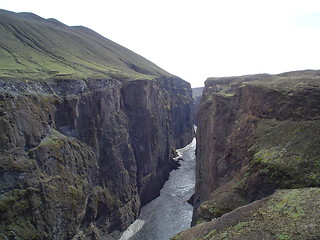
[[169, 213]]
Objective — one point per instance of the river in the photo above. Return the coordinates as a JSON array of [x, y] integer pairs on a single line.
[[169, 213]]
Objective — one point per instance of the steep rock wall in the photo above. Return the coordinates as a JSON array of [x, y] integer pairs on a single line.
[[78, 158], [197, 96], [255, 134], [160, 120]]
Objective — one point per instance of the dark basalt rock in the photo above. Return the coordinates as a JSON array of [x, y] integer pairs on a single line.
[[87, 131], [88, 159], [255, 134]]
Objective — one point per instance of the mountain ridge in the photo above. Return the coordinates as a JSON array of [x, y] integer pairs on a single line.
[[38, 48]]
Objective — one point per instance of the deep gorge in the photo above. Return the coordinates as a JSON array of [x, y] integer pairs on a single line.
[[85, 139], [79, 156], [169, 213], [89, 131]]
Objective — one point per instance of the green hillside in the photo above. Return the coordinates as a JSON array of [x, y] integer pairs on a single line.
[[32, 47]]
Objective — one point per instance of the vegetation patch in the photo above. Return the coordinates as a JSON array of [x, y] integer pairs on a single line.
[[287, 153], [222, 201], [287, 214]]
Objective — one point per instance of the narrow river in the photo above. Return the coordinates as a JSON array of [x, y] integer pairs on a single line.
[[169, 213]]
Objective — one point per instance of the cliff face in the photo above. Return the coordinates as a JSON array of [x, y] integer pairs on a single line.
[[160, 120], [80, 156], [76, 155], [197, 96], [255, 134]]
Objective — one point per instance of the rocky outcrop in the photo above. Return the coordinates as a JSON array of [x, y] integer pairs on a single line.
[[88, 130], [255, 134], [80, 156]]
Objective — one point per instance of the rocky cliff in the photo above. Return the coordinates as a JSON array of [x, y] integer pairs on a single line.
[[88, 130], [197, 95], [257, 134]]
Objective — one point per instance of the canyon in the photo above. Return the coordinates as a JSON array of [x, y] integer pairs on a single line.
[[169, 213], [88, 130]]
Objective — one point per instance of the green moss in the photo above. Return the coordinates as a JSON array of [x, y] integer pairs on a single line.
[[283, 237], [14, 220], [241, 225], [24, 229], [287, 153], [14, 199], [6, 202], [210, 235], [53, 139], [224, 200], [176, 237], [201, 220], [290, 204], [287, 214], [53, 143]]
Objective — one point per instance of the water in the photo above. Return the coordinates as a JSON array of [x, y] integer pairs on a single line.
[[170, 213]]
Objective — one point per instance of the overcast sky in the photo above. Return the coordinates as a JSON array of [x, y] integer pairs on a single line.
[[199, 39]]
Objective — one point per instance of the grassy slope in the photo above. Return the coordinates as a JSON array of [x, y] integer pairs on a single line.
[[36, 48], [285, 215], [289, 81]]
